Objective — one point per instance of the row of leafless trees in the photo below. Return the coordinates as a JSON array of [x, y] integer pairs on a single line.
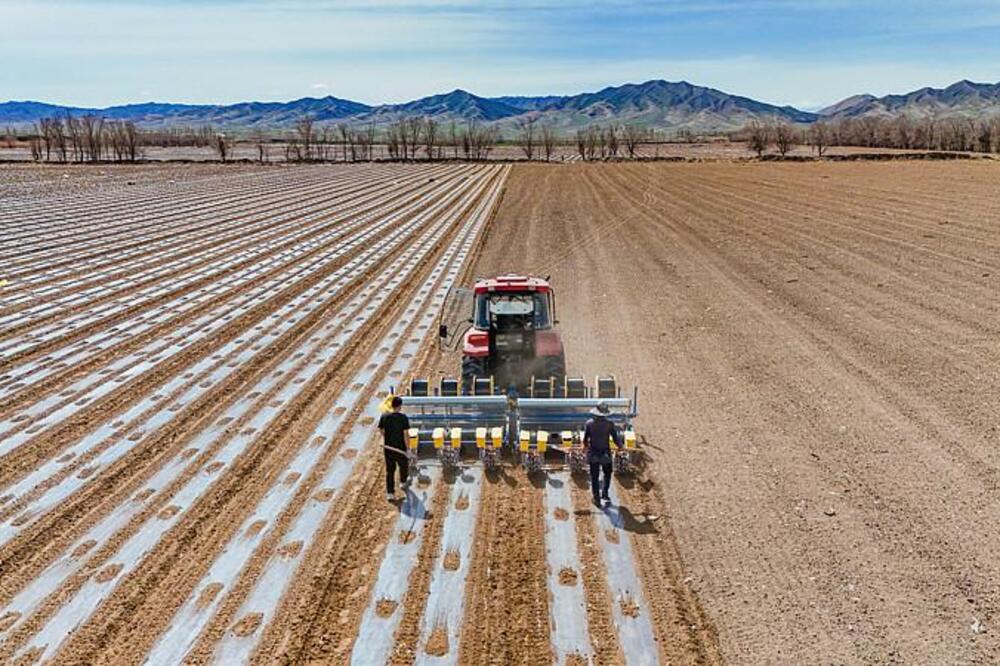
[[901, 132], [88, 138], [405, 140], [409, 138], [610, 141]]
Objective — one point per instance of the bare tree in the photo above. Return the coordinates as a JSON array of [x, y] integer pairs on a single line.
[[591, 143], [60, 143], [632, 135], [430, 135], [581, 143], [526, 136], [35, 144], [293, 150], [260, 143], [610, 138], [453, 138], [75, 137], [413, 126], [366, 141], [488, 140], [43, 133], [394, 142], [92, 132], [758, 137], [785, 137], [819, 137], [322, 139], [548, 142], [305, 131], [903, 132]]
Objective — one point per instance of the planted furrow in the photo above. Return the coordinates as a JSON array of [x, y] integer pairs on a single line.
[[58, 618]]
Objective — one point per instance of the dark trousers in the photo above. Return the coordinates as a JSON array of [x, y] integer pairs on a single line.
[[392, 460], [595, 471]]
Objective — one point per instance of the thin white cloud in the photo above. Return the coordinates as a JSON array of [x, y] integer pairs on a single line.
[[395, 50]]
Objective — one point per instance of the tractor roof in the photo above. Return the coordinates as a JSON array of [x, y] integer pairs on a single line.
[[512, 282]]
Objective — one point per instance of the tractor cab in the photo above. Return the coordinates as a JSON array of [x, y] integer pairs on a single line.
[[512, 338], [513, 311]]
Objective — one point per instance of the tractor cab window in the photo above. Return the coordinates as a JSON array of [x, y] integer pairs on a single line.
[[509, 310]]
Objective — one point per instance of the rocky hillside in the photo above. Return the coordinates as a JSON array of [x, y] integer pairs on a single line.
[[964, 98]]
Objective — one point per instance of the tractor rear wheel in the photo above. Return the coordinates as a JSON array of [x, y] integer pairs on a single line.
[[472, 367]]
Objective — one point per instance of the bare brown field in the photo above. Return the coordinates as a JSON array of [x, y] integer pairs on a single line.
[[192, 359], [817, 347]]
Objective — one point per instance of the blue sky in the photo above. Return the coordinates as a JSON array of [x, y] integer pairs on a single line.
[[799, 52]]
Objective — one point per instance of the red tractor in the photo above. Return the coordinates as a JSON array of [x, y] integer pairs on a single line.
[[512, 340]]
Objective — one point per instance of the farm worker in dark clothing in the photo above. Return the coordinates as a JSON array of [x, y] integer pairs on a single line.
[[394, 425], [597, 436]]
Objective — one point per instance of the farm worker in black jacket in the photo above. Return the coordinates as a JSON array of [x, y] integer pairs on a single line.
[[394, 425], [597, 436]]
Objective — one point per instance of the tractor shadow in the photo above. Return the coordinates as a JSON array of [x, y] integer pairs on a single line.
[[538, 480], [499, 474]]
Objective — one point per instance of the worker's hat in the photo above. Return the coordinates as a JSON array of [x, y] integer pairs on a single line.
[[601, 409]]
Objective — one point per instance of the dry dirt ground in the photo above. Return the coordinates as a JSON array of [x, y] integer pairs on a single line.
[[817, 350], [190, 368]]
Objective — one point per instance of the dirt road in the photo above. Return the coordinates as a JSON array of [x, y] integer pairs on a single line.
[[817, 349]]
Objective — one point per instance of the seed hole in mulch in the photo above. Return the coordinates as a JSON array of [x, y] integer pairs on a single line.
[[248, 624], [83, 548], [169, 512], [628, 605], [109, 572], [255, 528], [385, 607], [561, 513], [437, 643], [8, 619], [325, 495], [290, 549], [206, 596], [452, 559], [567, 576]]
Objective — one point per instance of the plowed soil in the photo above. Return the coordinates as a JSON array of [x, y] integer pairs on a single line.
[[817, 349], [190, 367]]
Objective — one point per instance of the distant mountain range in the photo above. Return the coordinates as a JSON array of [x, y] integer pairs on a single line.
[[964, 98], [661, 104]]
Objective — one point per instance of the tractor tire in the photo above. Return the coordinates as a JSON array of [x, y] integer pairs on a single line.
[[472, 367]]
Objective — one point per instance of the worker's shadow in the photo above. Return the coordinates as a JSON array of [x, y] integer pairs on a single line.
[[632, 482], [624, 519], [416, 504]]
